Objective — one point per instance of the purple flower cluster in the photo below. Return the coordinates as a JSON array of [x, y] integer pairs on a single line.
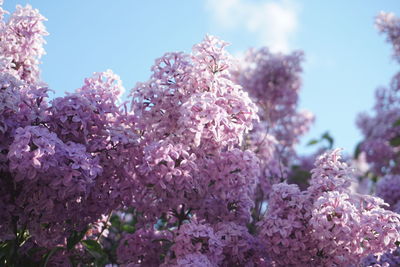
[[221, 244], [21, 43], [326, 225], [66, 153], [389, 24], [285, 229], [194, 97], [191, 117], [273, 81], [197, 238], [382, 130], [142, 248], [387, 188], [385, 260]]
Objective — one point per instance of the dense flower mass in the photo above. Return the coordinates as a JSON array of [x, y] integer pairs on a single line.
[[62, 162], [195, 171], [191, 117]]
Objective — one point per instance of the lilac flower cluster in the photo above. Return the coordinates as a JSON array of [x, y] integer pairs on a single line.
[[326, 225], [382, 130], [221, 244], [21, 43], [67, 152], [385, 260], [285, 229], [191, 117], [389, 24], [273, 81], [142, 248], [387, 188]]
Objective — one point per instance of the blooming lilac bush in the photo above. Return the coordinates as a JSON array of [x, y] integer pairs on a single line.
[[382, 131], [381, 144], [195, 169]]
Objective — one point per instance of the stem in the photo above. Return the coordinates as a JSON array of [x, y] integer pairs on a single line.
[[182, 215], [104, 226], [14, 255], [180, 219]]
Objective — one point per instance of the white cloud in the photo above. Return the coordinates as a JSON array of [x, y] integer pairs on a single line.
[[273, 22]]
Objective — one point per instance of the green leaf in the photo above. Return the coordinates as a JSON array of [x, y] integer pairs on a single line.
[[95, 249], [235, 171], [48, 255], [128, 228], [115, 222], [5, 251], [75, 238], [92, 245], [396, 123], [312, 142], [395, 141], [163, 162], [328, 138], [357, 151]]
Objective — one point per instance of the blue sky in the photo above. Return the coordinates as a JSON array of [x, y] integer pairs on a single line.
[[346, 58]]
